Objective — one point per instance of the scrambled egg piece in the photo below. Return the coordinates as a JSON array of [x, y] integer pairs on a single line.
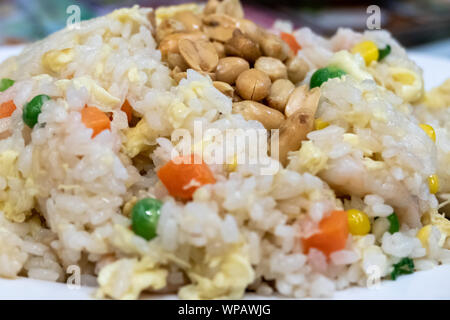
[[221, 277], [354, 65], [163, 13], [130, 15], [373, 164], [57, 60], [138, 139], [409, 83], [16, 192], [438, 97], [355, 141], [434, 218], [124, 240], [127, 278], [308, 159], [99, 95], [178, 112]]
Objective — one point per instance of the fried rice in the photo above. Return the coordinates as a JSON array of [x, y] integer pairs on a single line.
[[67, 197]]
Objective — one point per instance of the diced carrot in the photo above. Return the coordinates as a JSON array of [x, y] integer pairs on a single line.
[[128, 110], [184, 175], [95, 119], [7, 109], [291, 41], [332, 234]]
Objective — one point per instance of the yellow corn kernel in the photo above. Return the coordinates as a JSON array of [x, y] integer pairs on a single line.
[[423, 235], [358, 222], [429, 131], [319, 124], [368, 50], [433, 183], [231, 167]]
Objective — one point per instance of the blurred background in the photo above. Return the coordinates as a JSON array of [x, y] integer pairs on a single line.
[[420, 25]]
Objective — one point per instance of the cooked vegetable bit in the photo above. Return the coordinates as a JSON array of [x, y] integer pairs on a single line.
[[33, 108], [384, 52], [405, 266], [358, 222], [291, 41], [394, 223], [128, 109], [433, 183], [184, 175], [145, 216], [7, 109], [423, 234], [319, 124], [429, 130], [368, 50], [331, 236], [323, 75], [95, 119], [5, 83]]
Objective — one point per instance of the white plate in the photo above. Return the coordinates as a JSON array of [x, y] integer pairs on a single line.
[[432, 284]]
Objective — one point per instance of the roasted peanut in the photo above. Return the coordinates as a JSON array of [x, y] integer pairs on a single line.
[[294, 130], [151, 16], [224, 87], [220, 49], [236, 98], [170, 43], [253, 85], [273, 67], [252, 110], [189, 20], [176, 60], [199, 55], [297, 68], [229, 68], [219, 27], [211, 7], [251, 29], [275, 47], [279, 94], [178, 76], [242, 46], [232, 8], [300, 98], [167, 27]]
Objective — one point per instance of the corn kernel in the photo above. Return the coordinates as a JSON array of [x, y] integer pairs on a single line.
[[423, 235], [429, 131], [358, 222], [231, 167], [368, 50], [319, 124], [433, 183]]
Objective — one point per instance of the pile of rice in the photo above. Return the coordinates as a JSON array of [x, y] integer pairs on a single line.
[[65, 198]]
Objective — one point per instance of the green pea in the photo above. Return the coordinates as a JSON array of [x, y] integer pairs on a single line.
[[394, 223], [145, 216], [384, 52], [5, 84], [325, 74], [32, 110]]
